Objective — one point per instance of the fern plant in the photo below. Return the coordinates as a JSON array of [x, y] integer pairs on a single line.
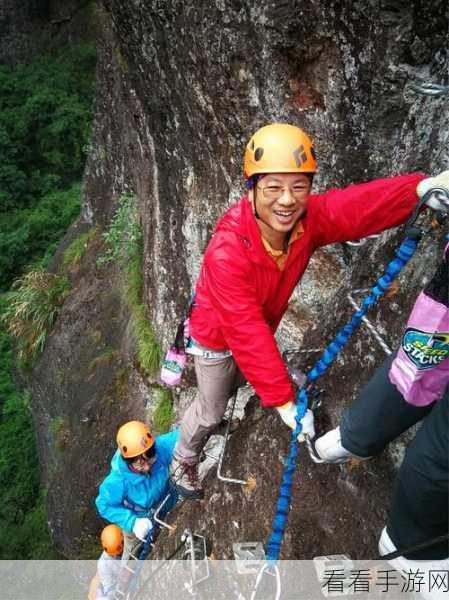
[[124, 235]]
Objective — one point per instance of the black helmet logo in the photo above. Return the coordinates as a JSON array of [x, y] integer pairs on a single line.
[[258, 153], [300, 156]]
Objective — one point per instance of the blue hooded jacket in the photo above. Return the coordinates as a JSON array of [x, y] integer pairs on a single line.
[[125, 496]]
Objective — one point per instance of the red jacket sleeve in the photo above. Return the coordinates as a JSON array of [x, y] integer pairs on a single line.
[[361, 210], [233, 295]]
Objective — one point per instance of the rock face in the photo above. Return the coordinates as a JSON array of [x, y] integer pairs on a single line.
[[181, 86], [30, 27]]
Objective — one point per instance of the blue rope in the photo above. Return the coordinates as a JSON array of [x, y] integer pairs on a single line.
[[402, 256]]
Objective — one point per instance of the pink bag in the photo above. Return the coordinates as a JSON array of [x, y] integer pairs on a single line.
[[173, 367], [175, 360], [420, 370]]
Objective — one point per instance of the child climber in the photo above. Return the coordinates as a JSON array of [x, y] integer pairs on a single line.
[[137, 483], [104, 584], [257, 255]]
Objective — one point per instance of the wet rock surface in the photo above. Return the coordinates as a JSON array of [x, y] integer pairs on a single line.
[[181, 86]]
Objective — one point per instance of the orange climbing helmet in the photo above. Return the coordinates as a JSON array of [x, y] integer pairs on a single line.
[[112, 540], [134, 438], [279, 148]]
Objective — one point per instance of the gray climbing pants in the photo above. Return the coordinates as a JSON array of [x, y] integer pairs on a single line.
[[217, 380]]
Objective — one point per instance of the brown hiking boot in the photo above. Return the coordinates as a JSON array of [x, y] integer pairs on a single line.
[[185, 478]]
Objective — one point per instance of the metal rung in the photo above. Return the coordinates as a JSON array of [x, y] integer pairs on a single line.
[[300, 351], [210, 455], [361, 242], [129, 569], [371, 328], [190, 539], [248, 556], [222, 453], [159, 521]]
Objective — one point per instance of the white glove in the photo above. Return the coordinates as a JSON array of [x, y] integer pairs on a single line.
[[437, 201], [288, 413], [142, 528]]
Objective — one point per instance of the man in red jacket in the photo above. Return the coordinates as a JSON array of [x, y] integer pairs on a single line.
[[257, 255]]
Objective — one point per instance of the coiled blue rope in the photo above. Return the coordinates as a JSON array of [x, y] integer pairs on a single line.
[[402, 256]]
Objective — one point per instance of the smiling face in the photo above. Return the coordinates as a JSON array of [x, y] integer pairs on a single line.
[[279, 200], [143, 463]]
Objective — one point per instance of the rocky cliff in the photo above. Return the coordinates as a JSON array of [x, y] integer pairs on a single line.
[[181, 86], [31, 27]]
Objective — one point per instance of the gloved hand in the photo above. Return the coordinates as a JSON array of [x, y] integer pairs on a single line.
[[436, 201], [287, 413], [142, 528]]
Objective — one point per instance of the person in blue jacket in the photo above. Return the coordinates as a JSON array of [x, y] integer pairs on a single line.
[[137, 483]]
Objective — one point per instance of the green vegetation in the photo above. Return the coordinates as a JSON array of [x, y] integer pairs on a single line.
[[106, 358], [163, 415], [124, 245], [31, 235], [148, 349], [22, 511], [33, 305], [121, 382], [124, 236], [90, 547], [45, 120], [74, 253], [45, 117], [60, 432]]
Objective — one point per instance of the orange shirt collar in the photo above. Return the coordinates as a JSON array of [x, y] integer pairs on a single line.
[[279, 256]]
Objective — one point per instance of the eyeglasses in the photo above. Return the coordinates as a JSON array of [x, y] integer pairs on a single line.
[[149, 456], [274, 192]]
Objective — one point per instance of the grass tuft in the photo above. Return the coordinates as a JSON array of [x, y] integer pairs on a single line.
[[60, 432], [163, 415], [124, 241], [33, 305], [74, 253]]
